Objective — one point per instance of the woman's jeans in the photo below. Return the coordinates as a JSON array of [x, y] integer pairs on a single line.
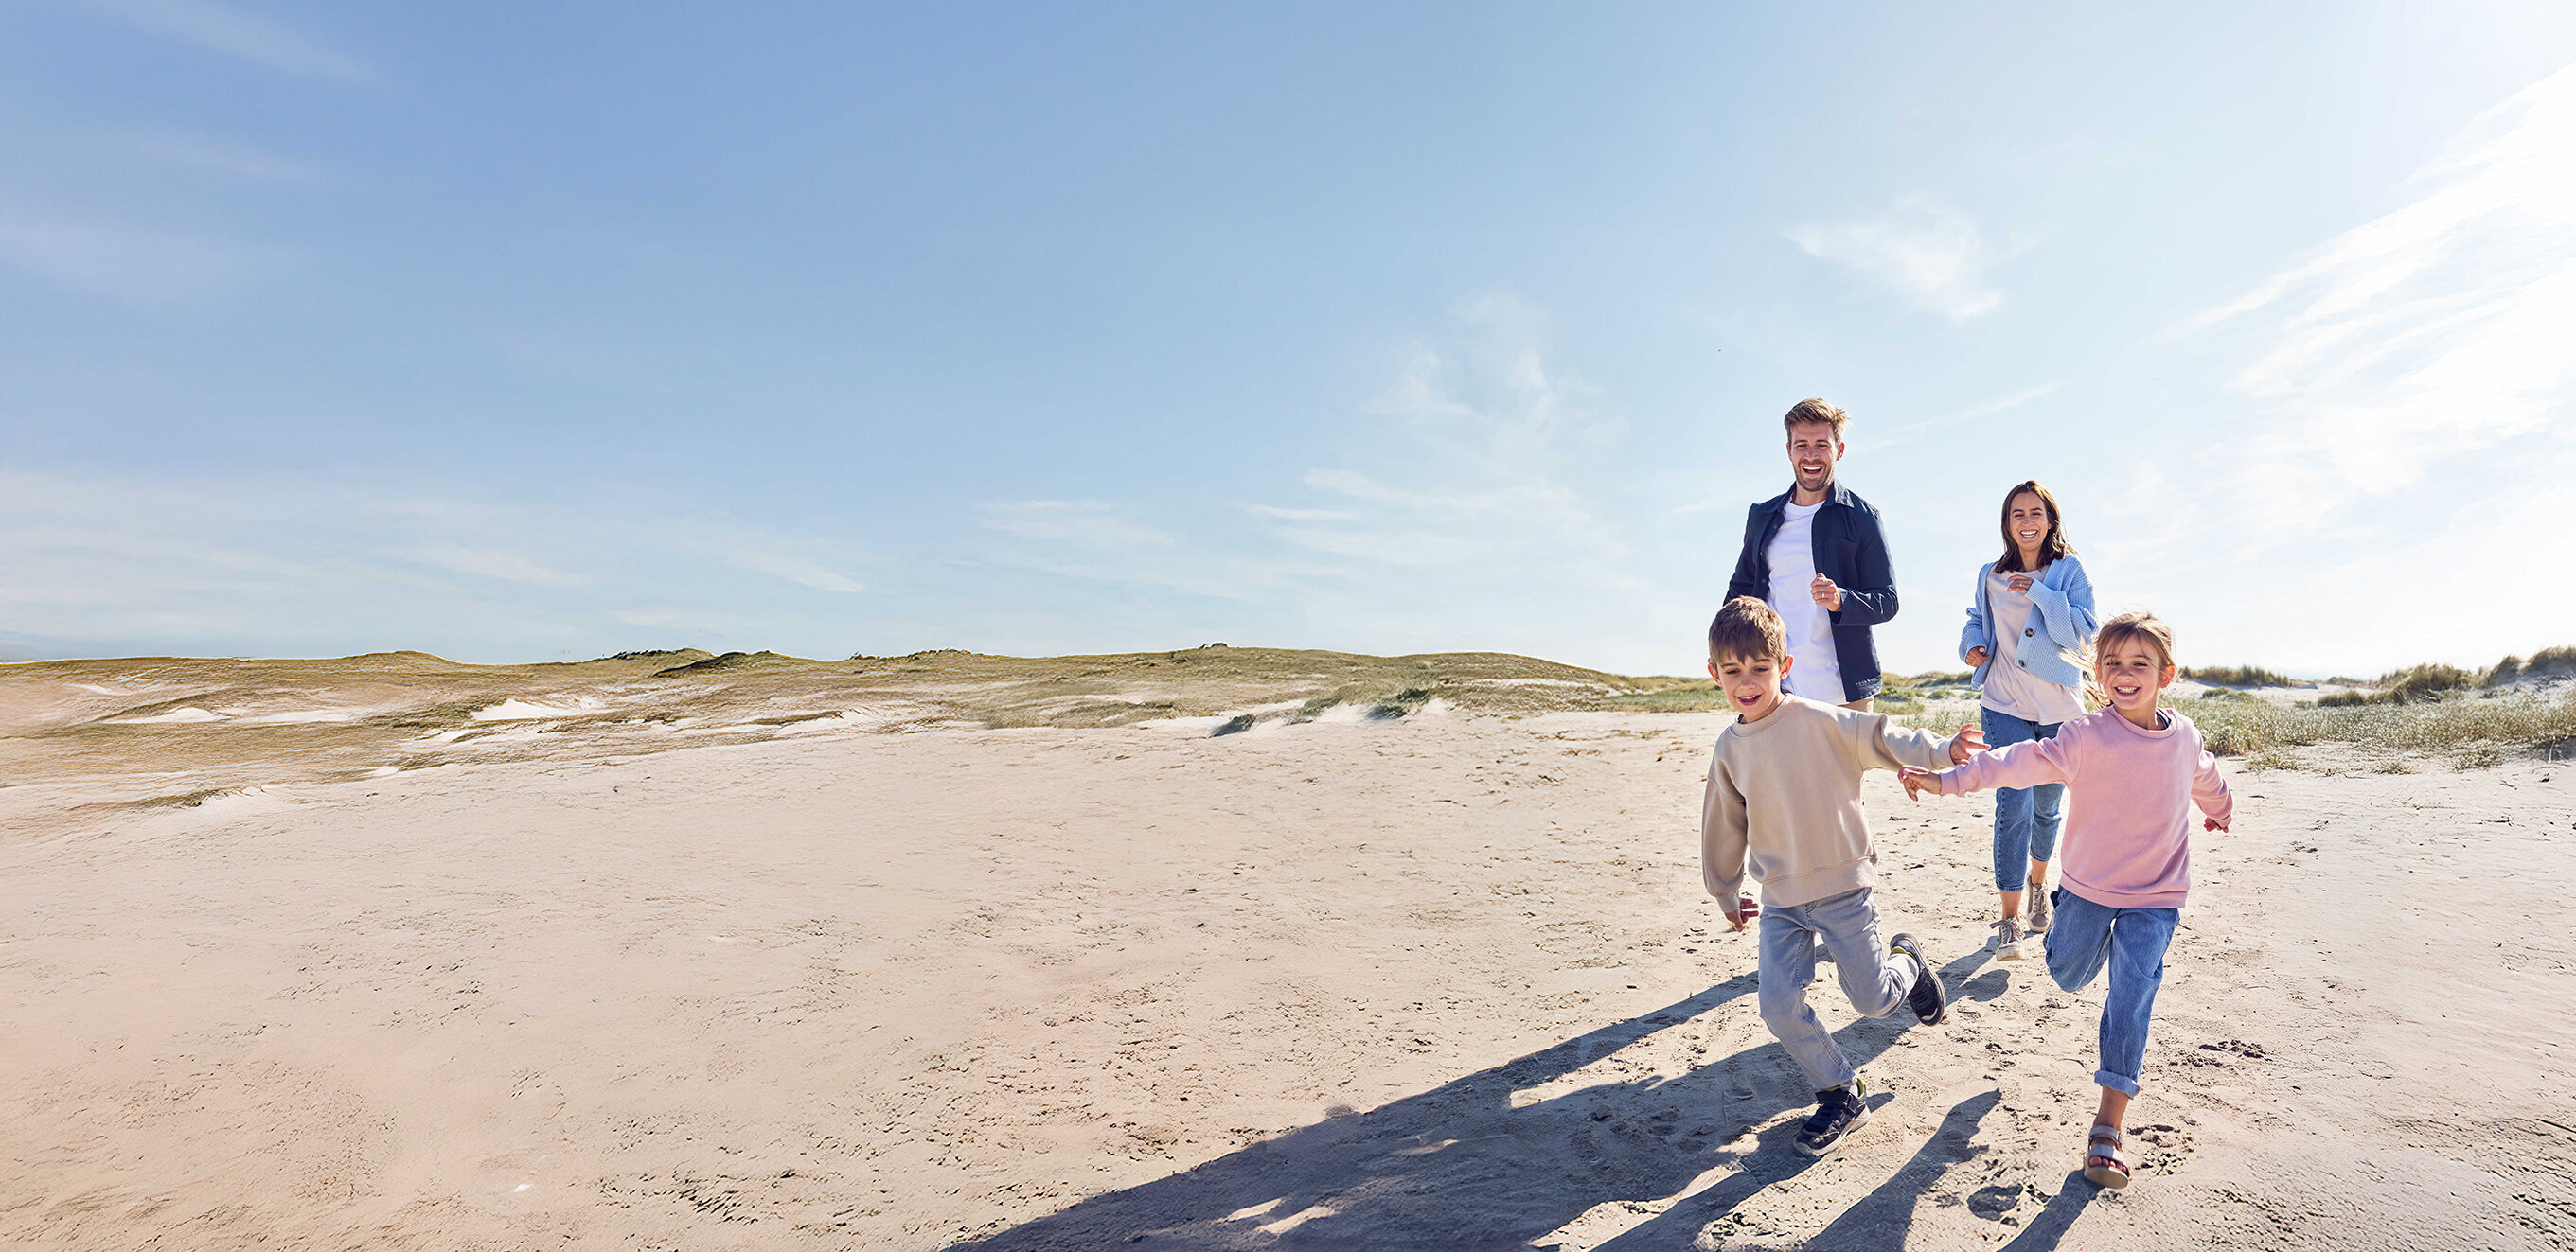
[[2085, 937], [2026, 818]]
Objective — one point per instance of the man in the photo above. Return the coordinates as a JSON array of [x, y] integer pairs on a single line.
[[1817, 557]]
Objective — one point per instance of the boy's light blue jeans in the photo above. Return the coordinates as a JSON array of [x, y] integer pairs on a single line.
[[1874, 978], [2027, 819], [2132, 942]]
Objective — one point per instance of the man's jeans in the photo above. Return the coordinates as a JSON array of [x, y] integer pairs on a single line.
[[2026, 819], [2132, 942], [1875, 979]]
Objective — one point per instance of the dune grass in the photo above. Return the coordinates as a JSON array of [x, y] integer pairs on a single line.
[[2240, 676], [2474, 728]]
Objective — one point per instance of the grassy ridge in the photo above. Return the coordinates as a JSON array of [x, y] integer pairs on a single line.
[[2476, 728]]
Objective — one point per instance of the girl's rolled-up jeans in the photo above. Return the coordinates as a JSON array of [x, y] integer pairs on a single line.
[[2026, 819], [2131, 943]]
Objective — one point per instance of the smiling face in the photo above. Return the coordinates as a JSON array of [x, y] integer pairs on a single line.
[[2027, 521], [1751, 683], [2130, 671], [1812, 453]]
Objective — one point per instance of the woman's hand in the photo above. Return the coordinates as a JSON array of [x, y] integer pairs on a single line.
[[2019, 582], [1976, 657]]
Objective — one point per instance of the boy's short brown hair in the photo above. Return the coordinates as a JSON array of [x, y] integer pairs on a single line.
[[1813, 411], [1746, 629]]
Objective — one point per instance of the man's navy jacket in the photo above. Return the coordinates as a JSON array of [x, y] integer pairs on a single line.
[[1850, 550]]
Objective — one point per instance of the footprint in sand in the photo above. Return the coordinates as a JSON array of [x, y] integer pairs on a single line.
[[2160, 1148]]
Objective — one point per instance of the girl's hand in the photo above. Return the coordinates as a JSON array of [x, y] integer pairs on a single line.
[[2019, 582], [2212, 823], [1918, 781], [1967, 743], [1976, 657]]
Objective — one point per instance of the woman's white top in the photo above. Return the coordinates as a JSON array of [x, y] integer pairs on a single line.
[[2009, 689]]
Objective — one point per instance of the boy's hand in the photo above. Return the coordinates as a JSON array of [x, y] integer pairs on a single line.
[[1967, 743], [1745, 910], [1918, 781], [2212, 823]]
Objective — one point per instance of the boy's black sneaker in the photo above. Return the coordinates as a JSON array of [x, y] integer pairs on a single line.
[[1838, 1109], [1928, 999]]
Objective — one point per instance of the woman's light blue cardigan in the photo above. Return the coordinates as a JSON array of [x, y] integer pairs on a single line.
[[2061, 599]]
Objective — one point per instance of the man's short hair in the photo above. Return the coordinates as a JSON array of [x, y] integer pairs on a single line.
[[1812, 411], [1746, 629]]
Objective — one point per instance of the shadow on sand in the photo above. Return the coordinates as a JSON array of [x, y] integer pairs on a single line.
[[1461, 1168]]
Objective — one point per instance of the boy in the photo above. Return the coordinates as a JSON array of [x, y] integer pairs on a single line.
[[1784, 800]]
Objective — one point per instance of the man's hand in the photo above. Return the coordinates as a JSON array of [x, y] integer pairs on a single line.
[[1918, 781], [1967, 743], [1826, 594], [1745, 910], [2212, 823], [1976, 657], [2019, 582]]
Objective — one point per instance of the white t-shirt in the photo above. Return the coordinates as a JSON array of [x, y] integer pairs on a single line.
[[1816, 674]]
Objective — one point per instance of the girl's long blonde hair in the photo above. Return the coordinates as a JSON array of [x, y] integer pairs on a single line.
[[2140, 625]]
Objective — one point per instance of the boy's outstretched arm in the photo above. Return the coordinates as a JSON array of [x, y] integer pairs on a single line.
[[1879, 743], [1967, 743], [1723, 842]]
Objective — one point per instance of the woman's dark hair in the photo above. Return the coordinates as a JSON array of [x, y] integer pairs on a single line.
[[2051, 545]]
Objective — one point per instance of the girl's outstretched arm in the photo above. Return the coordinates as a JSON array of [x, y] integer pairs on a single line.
[[2027, 764], [2209, 791]]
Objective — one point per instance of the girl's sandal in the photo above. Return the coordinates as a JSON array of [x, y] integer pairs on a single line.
[[2103, 1164]]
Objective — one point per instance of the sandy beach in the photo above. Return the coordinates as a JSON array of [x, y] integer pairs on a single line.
[[1439, 981]]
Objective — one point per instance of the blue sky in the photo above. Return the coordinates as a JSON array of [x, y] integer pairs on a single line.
[[517, 332]]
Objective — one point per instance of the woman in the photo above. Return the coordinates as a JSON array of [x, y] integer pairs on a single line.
[[2026, 636]]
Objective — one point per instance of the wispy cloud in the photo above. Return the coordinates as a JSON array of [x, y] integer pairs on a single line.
[[1461, 504], [285, 566], [498, 563], [237, 160], [1929, 254], [235, 33], [2437, 332], [1912, 431], [795, 569], [140, 266], [1082, 523]]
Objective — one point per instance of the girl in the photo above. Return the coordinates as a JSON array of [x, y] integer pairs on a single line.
[[2136, 769], [2025, 636]]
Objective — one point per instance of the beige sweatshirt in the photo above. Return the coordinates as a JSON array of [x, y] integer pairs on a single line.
[[1784, 796]]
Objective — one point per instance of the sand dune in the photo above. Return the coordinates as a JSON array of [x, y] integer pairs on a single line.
[[850, 969]]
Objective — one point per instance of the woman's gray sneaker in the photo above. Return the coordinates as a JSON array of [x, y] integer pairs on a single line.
[[2038, 908], [2006, 945], [1838, 1109]]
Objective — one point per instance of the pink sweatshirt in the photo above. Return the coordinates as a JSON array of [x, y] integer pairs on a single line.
[[2129, 797]]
